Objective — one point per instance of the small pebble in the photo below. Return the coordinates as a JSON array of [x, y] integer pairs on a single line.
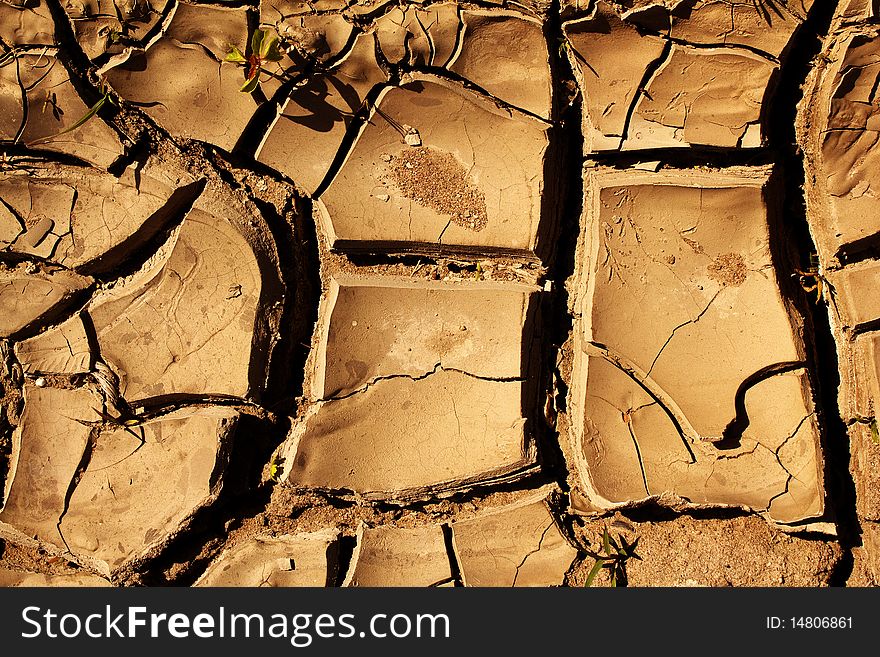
[[412, 138], [383, 197], [354, 323], [40, 382]]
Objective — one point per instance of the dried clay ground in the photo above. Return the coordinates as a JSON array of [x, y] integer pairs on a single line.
[[451, 294]]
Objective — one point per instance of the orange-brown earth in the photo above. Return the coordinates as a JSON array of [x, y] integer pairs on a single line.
[[456, 288]]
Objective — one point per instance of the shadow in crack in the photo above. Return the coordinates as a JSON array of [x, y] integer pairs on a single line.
[[131, 255], [733, 432]]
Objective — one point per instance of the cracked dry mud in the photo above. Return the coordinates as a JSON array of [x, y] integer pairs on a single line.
[[457, 288]]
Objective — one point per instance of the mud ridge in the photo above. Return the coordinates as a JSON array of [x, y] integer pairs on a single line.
[[822, 351], [567, 141]]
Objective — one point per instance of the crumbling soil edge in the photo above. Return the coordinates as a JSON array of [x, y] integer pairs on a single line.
[[822, 354]]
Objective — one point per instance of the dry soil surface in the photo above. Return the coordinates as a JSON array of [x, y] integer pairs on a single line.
[[438, 293]]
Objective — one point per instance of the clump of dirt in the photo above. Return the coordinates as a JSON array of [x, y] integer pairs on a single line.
[[35, 559], [695, 245], [692, 551], [438, 181], [728, 269]]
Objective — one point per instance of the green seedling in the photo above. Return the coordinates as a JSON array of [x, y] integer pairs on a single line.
[[613, 557], [264, 49], [872, 425], [275, 468]]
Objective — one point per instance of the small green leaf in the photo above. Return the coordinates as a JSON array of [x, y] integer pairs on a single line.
[[606, 541], [593, 572], [613, 543], [270, 50], [257, 41], [632, 549], [875, 433], [235, 56], [249, 86]]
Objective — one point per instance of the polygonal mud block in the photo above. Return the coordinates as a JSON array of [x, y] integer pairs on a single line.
[[449, 364], [633, 449], [392, 556], [710, 401], [133, 496], [280, 561], [181, 80], [110, 26], [427, 35], [297, 7], [185, 324], [113, 217], [671, 90], [26, 23], [763, 28], [859, 364], [841, 134], [17, 578], [111, 493], [95, 24], [87, 220], [506, 54], [62, 349], [610, 83], [47, 448], [318, 36], [305, 139], [471, 181], [29, 298], [518, 545], [35, 214], [700, 96], [53, 107], [855, 295]]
